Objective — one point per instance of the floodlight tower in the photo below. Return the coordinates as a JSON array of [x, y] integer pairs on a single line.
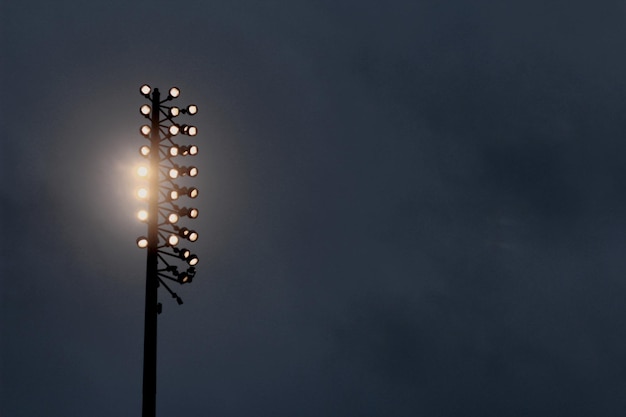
[[162, 216]]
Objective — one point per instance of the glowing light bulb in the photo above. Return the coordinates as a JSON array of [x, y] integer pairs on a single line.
[[174, 111], [173, 195], [193, 171], [142, 171], [193, 150], [173, 173], [173, 150], [144, 150], [193, 236], [142, 193], [193, 193], [174, 130], [145, 110], [193, 213], [145, 130], [193, 260], [142, 242], [145, 89], [192, 109], [172, 218], [172, 240], [174, 92], [192, 131], [142, 215]]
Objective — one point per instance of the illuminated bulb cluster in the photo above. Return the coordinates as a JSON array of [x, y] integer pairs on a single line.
[[160, 131]]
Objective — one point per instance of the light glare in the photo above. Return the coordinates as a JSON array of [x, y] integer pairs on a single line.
[[174, 130], [145, 130], [173, 240], [172, 218], [142, 242], [142, 171], [173, 173]]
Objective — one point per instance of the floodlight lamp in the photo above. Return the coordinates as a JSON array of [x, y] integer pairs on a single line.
[[184, 232], [145, 130], [193, 150], [192, 109], [142, 171], [172, 218], [192, 260], [142, 193], [173, 195], [142, 242], [193, 192], [174, 130], [144, 150], [193, 236], [172, 240], [184, 129], [184, 253], [184, 278], [193, 213], [174, 111], [192, 171], [145, 90], [174, 150], [192, 131], [173, 173], [174, 92], [145, 110], [142, 215]]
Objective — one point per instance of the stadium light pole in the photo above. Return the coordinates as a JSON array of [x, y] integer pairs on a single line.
[[162, 217]]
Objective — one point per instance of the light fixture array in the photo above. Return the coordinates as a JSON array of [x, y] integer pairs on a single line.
[[163, 195]]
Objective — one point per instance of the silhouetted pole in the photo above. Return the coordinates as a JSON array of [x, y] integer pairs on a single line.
[[152, 278], [162, 217]]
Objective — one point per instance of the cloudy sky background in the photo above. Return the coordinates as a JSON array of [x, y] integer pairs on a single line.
[[406, 208]]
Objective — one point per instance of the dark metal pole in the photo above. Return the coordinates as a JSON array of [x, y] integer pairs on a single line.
[[152, 279]]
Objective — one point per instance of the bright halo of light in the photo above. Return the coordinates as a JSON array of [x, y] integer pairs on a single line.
[[192, 109], [145, 110], [192, 131], [174, 92], [174, 130], [142, 215], [145, 130], [142, 193], [145, 89], [142, 242], [173, 173], [142, 171], [172, 218], [172, 240], [144, 150]]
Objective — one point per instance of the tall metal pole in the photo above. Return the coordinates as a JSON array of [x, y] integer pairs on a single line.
[[152, 279]]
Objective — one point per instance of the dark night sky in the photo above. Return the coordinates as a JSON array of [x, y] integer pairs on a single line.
[[406, 208]]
